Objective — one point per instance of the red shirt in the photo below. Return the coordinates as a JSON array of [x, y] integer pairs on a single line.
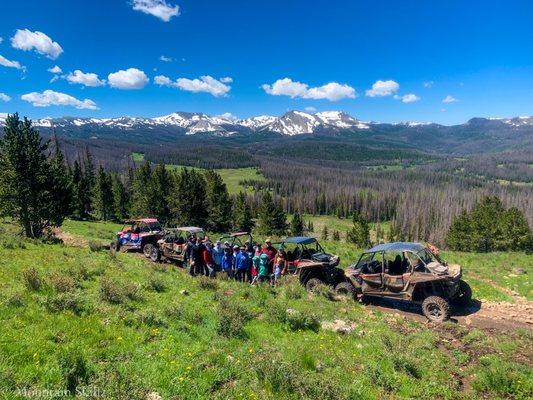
[[270, 252], [208, 258]]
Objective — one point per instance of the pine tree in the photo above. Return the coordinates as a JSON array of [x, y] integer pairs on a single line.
[[336, 236], [89, 180], [187, 202], [324, 235], [297, 225], [103, 202], [159, 190], [485, 217], [218, 203], [360, 232], [79, 192], [141, 197], [310, 226], [60, 180], [516, 232], [120, 199], [460, 233], [272, 220], [29, 192], [242, 214]]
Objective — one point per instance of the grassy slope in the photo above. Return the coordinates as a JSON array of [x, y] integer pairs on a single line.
[[159, 340]]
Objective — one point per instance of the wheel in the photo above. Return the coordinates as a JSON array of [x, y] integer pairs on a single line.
[[155, 254], [147, 249], [436, 309], [312, 283], [346, 289], [114, 246], [463, 297]]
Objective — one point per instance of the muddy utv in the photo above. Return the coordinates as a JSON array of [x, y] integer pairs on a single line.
[[409, 272], [173, 245], [138, 235], [307, 259], [237, 239]]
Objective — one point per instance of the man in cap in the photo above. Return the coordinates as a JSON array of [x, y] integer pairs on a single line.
[[271, 252]]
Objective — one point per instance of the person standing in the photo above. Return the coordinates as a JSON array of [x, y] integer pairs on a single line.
[[227, 261], [263, 268], [197, 258], [208, 260], [242, 264], [271, 252], [217, 252]]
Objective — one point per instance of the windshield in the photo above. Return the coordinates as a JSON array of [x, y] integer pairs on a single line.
[[154, 226], [365, 258], [427, 256]]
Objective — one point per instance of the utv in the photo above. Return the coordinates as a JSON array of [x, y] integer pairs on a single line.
[[411, 272], [237, 239], [307, 259], [138, 234], [173, 245]]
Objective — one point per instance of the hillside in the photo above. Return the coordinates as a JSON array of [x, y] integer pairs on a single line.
[[91, 320]]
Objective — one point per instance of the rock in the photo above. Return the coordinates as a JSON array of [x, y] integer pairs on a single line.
[[153, 396], [184, 292], [339, 326], [519, 271], [291, 311]]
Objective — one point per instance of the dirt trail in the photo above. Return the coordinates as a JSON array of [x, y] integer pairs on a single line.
[[70, 239], [482, 314]]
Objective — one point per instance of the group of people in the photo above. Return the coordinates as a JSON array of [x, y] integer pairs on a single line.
[[252, 263]]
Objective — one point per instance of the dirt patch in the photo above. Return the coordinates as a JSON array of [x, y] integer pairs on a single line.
[[70, 239]]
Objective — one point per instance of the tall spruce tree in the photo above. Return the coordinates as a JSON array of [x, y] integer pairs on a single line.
[[79, 192], [272, 219], [517, 234], [141, 195], [160, 188], [120, 198], [103, 205], [218, 203], [297, 225], [188, 204], [359, 234], [460, 233], [89, 179], [32, 187], [242, 214]]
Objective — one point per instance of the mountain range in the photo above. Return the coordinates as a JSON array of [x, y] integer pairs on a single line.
[[492, 134]]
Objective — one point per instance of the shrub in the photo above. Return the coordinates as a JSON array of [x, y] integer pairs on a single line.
[[293, 290], [62, 283], [75, 370], [117, 292], [74, 302], [232, 318], [15, 300], [325, 291], [150, 318], [12, 242], [157, 285], [300, 321], [32, 279], [207, 283], [96, 246]]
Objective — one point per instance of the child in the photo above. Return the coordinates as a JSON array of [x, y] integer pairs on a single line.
[[262, 275], [279, 266], [227, 261], [255, 269]]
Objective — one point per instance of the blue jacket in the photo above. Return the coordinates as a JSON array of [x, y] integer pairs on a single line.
[[242, 261], [217, 254], [227, 262]]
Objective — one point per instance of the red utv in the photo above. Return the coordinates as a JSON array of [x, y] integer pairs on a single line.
[[138, 235]]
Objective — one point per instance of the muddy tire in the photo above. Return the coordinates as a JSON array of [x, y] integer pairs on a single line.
[[147, 249], [312, 283], [463, 296], [346, 289], [155, 254], [114, 246], [436, 309]]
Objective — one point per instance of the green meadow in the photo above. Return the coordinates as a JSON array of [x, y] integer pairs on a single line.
[[78, 319]]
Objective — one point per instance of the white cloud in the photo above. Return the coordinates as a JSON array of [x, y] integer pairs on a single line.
[[229, 116], [86, 79], [132, 78], [226, 79], [166, 59], [409, 98], [205, 83], [38, 41], [158, 8], [428, 84], [383, 88], [4, 97], [55, 70], [51, 98], [10, 64], [449, 99], [331, 91], [54, 78], [310, 109]]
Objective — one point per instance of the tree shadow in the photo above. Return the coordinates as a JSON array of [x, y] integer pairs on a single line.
[[409, 307]]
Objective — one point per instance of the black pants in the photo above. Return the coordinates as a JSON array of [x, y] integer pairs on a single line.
[[240, 276]]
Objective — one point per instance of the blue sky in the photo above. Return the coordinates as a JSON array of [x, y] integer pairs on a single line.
[[279, 56]]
